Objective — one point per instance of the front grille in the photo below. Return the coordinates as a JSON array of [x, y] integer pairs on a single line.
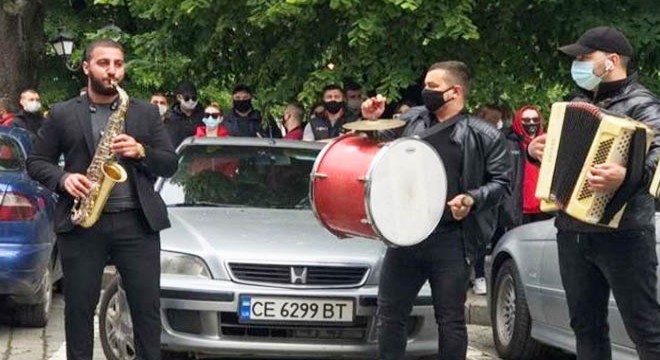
[[299, 275], [355, 332], [230, 327]]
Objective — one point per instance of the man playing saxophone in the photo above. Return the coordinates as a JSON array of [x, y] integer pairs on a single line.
[[127, 229]]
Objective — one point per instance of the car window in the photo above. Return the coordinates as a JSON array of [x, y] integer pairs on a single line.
[[251, 176], [11, 156]]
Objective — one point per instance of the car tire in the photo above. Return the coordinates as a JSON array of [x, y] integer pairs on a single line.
[[510, 317], [117, 337], [115, 325], [36, 315]]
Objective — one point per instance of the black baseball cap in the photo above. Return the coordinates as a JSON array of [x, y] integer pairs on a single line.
[[603, 38], [186, 88]]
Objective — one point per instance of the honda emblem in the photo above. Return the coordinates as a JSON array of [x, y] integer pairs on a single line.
[[298, 275]]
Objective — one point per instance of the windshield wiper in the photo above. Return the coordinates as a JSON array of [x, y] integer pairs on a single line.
[[204, 204]]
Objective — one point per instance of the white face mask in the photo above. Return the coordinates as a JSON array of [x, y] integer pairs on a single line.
[[162, 109], [583, 74], [500, 124], [33, 106]]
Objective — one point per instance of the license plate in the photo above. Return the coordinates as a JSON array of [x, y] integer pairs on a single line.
[[284, 309]]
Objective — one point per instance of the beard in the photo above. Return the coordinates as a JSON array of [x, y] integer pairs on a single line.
[[101, 88]]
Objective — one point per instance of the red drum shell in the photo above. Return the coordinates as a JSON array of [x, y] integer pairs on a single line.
[[394, 191], [337, 187]]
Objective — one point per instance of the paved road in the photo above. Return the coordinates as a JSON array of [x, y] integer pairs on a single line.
[[48, 343]]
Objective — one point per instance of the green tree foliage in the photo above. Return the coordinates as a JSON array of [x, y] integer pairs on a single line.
[[290, 49], [86, 22]]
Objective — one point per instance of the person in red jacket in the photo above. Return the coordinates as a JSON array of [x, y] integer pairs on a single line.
[[528, 124], [6, 116], [212, 122]]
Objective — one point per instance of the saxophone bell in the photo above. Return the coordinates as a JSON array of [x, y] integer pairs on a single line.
[[113, 173]]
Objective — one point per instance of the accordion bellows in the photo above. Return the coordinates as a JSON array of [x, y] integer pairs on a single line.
[[581, 135]]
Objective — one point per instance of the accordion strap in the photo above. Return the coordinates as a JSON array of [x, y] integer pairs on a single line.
[[634, 175]]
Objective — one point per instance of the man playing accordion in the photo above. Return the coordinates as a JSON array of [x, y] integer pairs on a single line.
[[594, 259]]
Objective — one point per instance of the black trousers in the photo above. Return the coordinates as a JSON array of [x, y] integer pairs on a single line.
[[439, 259], [134, 249], [625, 261]]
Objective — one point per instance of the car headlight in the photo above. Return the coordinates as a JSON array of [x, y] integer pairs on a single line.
[[183, 264]]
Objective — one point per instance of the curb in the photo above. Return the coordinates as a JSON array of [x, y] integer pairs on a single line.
[[476, 309]]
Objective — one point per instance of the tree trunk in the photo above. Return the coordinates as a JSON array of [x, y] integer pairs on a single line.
[[21, 45]]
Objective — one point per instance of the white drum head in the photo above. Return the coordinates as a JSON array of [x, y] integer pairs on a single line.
[[407, 191]]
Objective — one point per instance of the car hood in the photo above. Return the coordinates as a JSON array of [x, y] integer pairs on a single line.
[[263, 235]]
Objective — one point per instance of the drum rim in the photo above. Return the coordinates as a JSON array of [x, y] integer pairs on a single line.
[[367, 187], [312, 177]]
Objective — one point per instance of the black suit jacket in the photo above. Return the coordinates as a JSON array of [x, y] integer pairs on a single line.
[[68, 131]]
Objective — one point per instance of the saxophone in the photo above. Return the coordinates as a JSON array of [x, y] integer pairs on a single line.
[[104, 171]]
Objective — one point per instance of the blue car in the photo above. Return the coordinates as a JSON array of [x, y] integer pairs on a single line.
[[29, 264]]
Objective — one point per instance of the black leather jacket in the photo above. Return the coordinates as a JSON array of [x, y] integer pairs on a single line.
[[626, 97], [485, 174], [511, 212]]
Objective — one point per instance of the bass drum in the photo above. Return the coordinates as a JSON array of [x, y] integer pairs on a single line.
[[394, 191]]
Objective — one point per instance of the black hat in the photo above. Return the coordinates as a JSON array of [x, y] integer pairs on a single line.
[[603, 38], [186, 88]]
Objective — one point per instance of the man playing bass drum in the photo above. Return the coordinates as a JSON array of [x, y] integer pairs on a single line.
[[477, 164]]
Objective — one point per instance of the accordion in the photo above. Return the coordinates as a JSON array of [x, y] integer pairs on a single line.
[[581, 135]]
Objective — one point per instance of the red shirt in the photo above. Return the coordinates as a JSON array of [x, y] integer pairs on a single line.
[[531, 205], [295, 134], [200, 131], [7, 119]]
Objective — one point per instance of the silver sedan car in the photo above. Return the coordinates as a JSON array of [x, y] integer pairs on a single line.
[[248, 271], [527, 304]]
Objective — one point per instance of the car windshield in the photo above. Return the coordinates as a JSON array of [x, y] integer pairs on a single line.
[[254, 176], [11, 156]]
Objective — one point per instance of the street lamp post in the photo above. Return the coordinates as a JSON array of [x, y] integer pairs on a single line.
[[63, 45]]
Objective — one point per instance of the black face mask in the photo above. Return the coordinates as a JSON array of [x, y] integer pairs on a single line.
[[243, 105], [433, 100], [531, 129], [333, 107]]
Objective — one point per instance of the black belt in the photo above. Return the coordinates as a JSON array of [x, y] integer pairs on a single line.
[[116, 210]]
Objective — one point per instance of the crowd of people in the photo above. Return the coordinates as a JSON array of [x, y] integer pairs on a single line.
[[187, 117]]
